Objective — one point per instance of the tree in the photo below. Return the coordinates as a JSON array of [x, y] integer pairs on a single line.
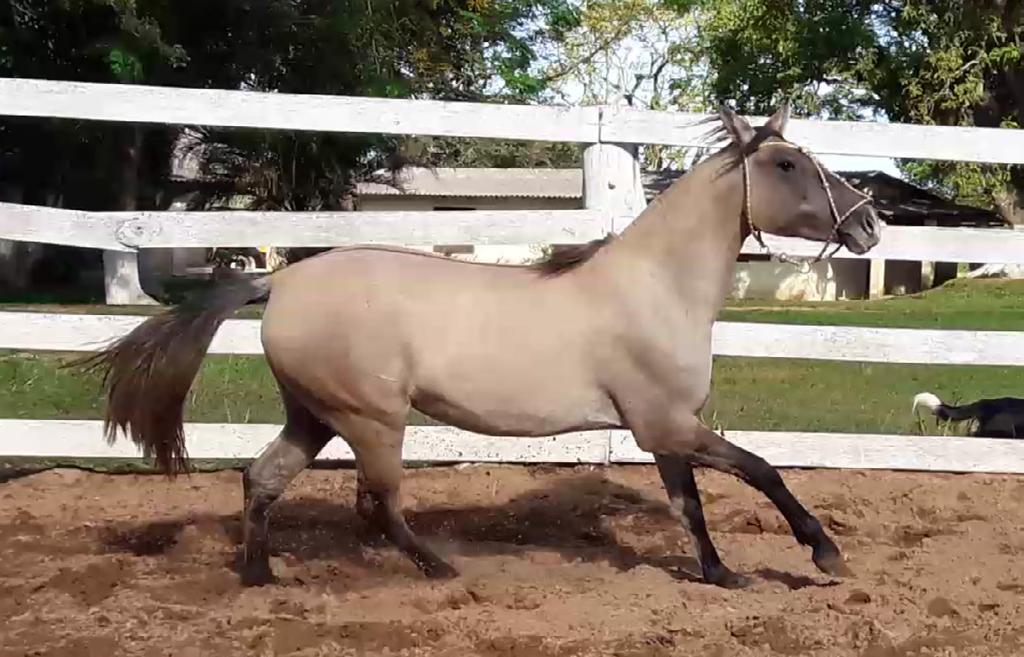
[[451, 49], [639, 53], [944, 63]]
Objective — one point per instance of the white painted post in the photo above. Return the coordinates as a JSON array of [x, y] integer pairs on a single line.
[[612, 183], [876, 279], [928, 266], [121, 280]]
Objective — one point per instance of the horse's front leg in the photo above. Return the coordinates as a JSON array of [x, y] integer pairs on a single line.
[[684, 501], [678, 433]]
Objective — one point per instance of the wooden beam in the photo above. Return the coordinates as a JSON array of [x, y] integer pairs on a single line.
[[866, 138], [121, 281], [30, 331], [293, 229], [35, 223], [279, 111], [443, 444], [170, 229], [876, 278], [612, 183], [248, 109], [84, 439]]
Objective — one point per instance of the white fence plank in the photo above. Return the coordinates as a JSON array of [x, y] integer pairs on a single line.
[[289, 229], [925, 243], [860, 451], [869, 344], [248, 109], [84, 333], [35, 223], [906, 140], [30, 331], [128, 230], [84, 439]]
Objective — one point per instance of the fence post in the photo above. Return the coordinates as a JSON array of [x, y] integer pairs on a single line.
[[876, 279], [611, 182], [121, 280]]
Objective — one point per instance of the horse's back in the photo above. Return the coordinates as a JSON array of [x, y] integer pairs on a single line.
[[463, 340]]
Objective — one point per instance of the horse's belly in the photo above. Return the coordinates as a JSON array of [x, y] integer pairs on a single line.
[[519, 401]]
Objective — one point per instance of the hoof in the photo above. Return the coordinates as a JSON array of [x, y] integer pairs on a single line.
[[830, 561], [439, 570], [724, 578], [257, 574]]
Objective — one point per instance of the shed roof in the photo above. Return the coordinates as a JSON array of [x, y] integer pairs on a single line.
[[898, 201]]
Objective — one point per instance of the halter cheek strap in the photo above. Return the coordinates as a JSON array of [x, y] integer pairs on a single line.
[[837, 218]]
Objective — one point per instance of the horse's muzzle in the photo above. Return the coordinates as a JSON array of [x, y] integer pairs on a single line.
[[861, 231]]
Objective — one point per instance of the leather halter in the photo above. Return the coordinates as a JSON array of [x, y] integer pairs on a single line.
[[837, 218]]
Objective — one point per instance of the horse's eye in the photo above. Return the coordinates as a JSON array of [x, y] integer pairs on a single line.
[[785, 165]]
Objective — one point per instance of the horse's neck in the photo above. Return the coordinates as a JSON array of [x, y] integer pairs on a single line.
[[690, 237]]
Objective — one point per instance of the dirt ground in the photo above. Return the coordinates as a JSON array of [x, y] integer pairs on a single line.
[[554, 562]]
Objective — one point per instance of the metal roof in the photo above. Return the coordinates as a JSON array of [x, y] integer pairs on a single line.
[[473, 182], [899, 201]]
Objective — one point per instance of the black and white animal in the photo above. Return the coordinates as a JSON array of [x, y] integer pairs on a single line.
[[1001, 417]]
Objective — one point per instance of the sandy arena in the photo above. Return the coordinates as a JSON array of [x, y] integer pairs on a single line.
[[554, 561]]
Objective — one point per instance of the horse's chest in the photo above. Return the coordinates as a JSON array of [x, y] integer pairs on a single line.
[[679, 373]]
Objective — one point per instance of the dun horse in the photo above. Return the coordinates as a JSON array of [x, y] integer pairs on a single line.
[[613, 334]]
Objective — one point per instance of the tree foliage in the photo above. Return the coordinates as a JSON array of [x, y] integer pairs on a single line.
[[448, 49], [933, 62], [639, 53]]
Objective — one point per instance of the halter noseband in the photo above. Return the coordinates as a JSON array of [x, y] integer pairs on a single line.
[[836, 217]]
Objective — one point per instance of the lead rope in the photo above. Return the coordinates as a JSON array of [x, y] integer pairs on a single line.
[[836, 217]]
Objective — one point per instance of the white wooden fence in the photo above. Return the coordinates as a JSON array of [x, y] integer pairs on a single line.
[[612, 195]]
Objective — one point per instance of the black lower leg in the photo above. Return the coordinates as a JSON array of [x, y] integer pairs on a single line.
[[265, 481], [255, 569], [381, 511], [759, 474], [681, 486]]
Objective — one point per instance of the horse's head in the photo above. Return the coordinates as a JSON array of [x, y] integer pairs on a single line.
[[788, 192]]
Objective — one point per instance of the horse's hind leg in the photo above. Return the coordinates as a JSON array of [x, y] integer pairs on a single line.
[[684, 499], [301, 439], [378, 448]]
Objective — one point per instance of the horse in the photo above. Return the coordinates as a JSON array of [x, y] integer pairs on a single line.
[[610, 334], [999, 417]]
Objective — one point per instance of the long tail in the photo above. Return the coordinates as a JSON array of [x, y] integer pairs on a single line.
[[148, 372], [944, 411]]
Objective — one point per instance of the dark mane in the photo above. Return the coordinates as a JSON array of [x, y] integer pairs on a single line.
[[566, 258], [569, 257], [719, 136]]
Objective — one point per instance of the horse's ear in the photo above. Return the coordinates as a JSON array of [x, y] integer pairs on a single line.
[[779, 120], [736, 126]]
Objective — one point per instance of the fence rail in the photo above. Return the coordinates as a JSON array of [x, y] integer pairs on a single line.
[[612, 196], [81, 439], [32, 331], [130, 231], [594, 124], [303, 112]]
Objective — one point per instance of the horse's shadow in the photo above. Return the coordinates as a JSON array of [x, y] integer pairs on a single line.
[[571, 517]]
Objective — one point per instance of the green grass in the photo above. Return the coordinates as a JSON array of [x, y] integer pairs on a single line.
[[980, 305], [752, 394], [748, 394]]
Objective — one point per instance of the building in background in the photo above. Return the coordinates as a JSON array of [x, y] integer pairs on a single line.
[[899, 203]]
